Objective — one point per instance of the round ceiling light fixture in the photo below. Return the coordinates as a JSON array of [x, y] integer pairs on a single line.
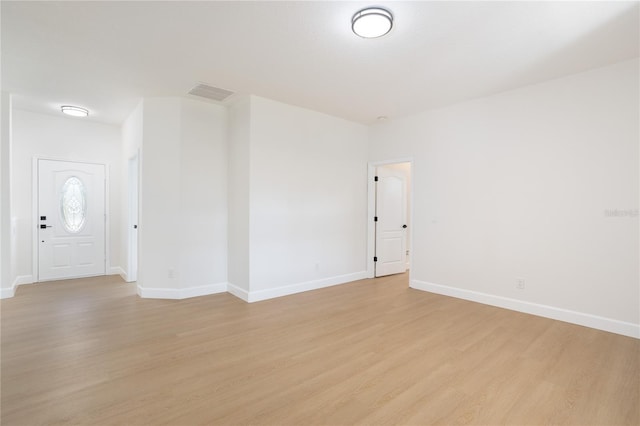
[[75, 111], [372, 22]]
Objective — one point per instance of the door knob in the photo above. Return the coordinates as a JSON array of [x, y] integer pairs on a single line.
[[404, 226]]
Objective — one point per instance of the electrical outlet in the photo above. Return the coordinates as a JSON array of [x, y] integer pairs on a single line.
[[171, 273], [317, 267], [520, 283]]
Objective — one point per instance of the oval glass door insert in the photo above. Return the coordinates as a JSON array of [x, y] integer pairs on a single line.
[[73, 205]]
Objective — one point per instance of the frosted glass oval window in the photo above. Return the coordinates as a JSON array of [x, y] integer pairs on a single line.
[[73, 205]]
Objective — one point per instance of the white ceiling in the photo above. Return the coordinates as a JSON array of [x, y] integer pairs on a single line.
[[106, 55]]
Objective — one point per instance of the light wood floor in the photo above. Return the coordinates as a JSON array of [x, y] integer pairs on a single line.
[[91, 352]]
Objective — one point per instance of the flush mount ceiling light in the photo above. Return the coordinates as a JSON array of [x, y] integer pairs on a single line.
[[75, 111], [372, 22]]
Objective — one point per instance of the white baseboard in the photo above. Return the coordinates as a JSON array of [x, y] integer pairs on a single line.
[[23, 279], [203, 290], [117, 270], [238, 292], [579, 318], [6, 293], [181, 293], [256, 296], [247, 296]]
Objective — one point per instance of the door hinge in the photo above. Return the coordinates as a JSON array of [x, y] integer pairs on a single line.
[[375, 218], [375, 179], [375, 258]]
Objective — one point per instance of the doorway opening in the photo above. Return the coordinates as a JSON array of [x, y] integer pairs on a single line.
[[390, 218]]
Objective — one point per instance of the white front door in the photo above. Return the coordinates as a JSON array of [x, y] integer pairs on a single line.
[[71, 220], [391, 224]]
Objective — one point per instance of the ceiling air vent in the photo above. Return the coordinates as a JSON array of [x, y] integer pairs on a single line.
[[210, 92]]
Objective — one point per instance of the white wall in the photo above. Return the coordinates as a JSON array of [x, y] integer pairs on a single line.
[[183, 198], [59, 137], [159, 193], [203, 194], [6, 274], [308, 205], [287, 184], [131, 145], [517, 185], [238, 193], [132, 133]]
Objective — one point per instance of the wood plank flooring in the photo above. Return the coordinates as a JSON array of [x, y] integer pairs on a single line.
[[371, 352]]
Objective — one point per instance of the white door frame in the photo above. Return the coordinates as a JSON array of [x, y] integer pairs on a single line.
[[35, 218], [133, 189], [371, 211]]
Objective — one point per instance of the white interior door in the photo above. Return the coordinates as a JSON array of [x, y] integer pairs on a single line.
[[391, 224], [71, 220]]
